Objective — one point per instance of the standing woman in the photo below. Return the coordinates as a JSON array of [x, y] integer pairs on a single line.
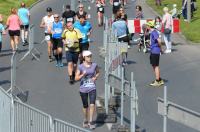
[[167, 22], [13, 24], [88, 73], [138, 13]]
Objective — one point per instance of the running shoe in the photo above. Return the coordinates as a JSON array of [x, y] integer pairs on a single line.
[[85, 124], [71, 81], [50, 59], [155, 83], [61, 64], [57, 64], [161, 82], [92, 125]]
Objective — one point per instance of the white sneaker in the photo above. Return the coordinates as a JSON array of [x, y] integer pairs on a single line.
[[129, 46], [167, 51]]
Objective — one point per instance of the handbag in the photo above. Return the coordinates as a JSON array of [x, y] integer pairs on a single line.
[[167, 31]]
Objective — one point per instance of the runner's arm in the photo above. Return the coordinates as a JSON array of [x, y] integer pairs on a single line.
[[97, 74], [42, 24], [79, 75]]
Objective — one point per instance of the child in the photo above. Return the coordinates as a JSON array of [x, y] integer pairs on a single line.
[[2, 31], [158, 24]]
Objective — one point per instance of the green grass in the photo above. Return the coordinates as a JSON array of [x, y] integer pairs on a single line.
[[6, 5], [190, 30]]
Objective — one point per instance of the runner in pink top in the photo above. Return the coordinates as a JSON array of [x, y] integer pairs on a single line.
[[13, 23]]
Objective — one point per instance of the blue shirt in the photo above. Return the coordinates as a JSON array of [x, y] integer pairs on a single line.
[[1, 30], [23, 14], [57, 29], [85, 29], [154, 36], [120, 28]]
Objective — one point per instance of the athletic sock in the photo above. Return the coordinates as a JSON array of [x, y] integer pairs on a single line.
[[56, 56], [60, 57]]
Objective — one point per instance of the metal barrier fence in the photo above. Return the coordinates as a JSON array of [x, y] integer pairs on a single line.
[[114, 74], [29, 119], [16, 116], [5, 111], [31, 44], [61, 126]]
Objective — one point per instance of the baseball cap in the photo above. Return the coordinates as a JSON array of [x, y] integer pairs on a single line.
[[150, 23], [49, 9], [86, 53]]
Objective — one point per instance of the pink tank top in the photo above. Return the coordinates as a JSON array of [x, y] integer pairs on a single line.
[[13, 22]]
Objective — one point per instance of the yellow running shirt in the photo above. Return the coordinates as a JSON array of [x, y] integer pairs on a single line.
[[72, 40]]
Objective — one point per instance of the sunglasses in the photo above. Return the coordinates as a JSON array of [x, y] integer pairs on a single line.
[[80, 7], [56, 17]]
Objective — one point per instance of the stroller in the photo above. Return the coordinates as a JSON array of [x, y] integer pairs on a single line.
[[144, 41]]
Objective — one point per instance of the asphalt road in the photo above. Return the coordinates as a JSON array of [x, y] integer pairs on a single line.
[[50, 91]]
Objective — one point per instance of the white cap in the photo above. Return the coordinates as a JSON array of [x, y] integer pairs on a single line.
[[86, 53]]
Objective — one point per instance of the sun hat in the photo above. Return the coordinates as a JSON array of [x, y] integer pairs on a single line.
[[86, 53]]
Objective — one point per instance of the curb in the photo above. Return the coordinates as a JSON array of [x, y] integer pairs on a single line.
[[35, 3]]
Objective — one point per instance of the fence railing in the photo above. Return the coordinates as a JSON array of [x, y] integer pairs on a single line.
[[61, 126], [16, 116]]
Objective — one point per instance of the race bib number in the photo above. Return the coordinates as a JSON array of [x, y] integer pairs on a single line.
[[116, 3], [57, 30], [69, 43], [100, 9], [83, 36], [88, 83], [47, 37], [69, 19]]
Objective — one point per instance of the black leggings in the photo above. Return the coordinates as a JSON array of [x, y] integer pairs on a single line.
[[92, 97], [0, 46]]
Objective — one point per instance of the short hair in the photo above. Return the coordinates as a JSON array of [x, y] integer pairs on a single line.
[[13, 11], [67, 6], [23, 4]]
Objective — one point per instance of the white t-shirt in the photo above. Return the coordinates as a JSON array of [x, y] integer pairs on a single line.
[[48, 21]]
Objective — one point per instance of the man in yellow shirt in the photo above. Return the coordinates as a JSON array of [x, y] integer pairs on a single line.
[[71, 38]]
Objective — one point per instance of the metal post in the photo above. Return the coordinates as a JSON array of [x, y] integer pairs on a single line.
[[189, 10], [122, 97], [106, 72], [165, 110], [133, 103]]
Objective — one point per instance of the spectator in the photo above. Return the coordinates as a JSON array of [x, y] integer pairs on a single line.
[[167, 22], [13, 23], [156, 49], [24, 16], [88, 72], [2, 31], [184, 9], [119, 27], [174, 11], [158, 2], [123, 14], [138, 14]]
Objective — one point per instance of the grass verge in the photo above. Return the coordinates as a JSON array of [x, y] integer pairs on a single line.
[[6, 5], [190, 30]]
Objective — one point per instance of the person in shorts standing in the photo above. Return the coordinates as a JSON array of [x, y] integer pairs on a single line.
[[13, 24], [87, 73], [156, 50], [46, 23], [56, 31], [24, 16]]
